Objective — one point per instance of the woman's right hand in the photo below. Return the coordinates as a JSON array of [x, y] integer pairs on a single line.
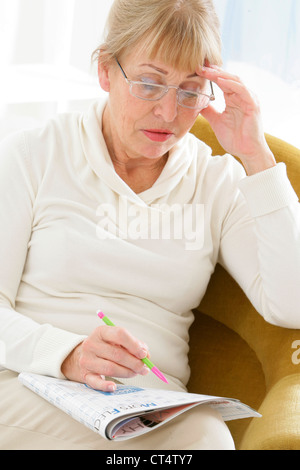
[[108, 351]]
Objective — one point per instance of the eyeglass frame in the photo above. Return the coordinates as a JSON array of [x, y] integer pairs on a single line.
[[167, 88]]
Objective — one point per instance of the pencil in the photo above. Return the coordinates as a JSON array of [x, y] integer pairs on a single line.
[[146, 361]]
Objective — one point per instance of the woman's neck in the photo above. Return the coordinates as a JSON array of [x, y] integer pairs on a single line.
[[138, 172], [139, 176]]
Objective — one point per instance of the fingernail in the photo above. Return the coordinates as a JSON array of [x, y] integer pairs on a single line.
[[209, 69], [112, 388], [145, 370], [143, 352]]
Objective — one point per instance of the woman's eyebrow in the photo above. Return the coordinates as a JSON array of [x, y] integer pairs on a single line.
[[164, 72], [155, 68]]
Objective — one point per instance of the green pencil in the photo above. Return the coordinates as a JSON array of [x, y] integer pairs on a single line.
[[146, 361]]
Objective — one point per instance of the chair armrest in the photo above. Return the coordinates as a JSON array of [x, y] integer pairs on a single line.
[[279, 428]]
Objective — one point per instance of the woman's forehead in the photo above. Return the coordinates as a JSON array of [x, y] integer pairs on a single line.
[[143, 61]]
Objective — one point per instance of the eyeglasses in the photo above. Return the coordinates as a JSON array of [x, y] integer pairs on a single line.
[[153, 92]]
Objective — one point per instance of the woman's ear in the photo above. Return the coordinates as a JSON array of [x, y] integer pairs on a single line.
[[103, 73]]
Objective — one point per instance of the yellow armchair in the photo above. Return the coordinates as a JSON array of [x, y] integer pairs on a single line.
[[235, 353]]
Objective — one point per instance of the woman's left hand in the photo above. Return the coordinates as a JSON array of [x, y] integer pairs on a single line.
[[239, 128]]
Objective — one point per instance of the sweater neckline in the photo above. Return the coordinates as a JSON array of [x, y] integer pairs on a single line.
[[96, 163]]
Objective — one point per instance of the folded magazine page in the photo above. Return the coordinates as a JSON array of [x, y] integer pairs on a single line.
[[129, 411]]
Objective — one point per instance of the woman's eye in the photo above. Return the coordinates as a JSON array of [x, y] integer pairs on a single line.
[[148, 81], [188, 93], [149, 86]]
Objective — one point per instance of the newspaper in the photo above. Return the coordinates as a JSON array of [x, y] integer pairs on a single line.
[[129, 411]]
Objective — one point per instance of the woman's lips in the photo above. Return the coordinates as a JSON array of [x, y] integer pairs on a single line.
[[158, 135]]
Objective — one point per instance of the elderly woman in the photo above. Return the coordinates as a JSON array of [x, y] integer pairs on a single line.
[[121, 209]]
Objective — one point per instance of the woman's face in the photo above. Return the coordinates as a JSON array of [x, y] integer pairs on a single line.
[[149, 129]]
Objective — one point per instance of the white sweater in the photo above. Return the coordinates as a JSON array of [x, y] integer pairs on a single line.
[[75, 238]]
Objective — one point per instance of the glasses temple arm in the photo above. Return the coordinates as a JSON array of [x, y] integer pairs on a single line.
[[212, 97], [125, 76]]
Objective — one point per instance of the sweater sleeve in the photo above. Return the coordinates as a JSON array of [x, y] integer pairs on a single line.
[[260, 246], [25, 345]]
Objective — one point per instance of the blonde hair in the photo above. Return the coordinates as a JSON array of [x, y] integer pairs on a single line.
[[182, 33]]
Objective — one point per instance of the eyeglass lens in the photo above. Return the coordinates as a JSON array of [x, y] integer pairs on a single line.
[[153, 92]]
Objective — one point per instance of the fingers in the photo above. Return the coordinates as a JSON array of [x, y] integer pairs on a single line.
[[98, 382], [235, 92], [110, 359], [111, 352], [213, 73], [122, 337]]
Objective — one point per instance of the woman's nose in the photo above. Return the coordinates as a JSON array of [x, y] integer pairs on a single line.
[[167, 107]]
